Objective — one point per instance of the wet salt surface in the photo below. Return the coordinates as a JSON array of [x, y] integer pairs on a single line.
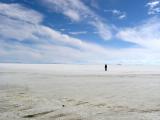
[[79, 92]]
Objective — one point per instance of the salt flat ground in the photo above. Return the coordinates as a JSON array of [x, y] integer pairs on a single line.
[[79, 92]]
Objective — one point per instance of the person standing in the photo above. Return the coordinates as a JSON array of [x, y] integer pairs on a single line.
[[105, 67]]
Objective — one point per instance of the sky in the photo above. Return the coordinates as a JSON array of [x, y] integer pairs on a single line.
[[80, 31]]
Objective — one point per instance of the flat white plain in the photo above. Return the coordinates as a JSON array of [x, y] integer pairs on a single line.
[[79, 92]]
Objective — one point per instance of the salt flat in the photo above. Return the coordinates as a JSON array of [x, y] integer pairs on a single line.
[[79, 92]]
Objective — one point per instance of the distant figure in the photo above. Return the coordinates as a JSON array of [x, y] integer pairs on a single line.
[[105, 67]]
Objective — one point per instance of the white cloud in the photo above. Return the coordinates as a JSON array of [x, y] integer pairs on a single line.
[[117, 13], [51, 46], [103, 29], [72, 7], [153, 7], [146, 35], [18, 12], [72, 14], [18, 22], [68, 40], [16, 29], [77, 11], [122, 16], [153, 4]]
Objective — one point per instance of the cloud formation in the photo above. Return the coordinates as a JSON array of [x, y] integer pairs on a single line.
[[117, 13], [48, 45], [153, 7], [146, 35], [18, 12], [27, 40], [77, 11]]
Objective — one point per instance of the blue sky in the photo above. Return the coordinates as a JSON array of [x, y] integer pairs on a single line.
[[80, 31]]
